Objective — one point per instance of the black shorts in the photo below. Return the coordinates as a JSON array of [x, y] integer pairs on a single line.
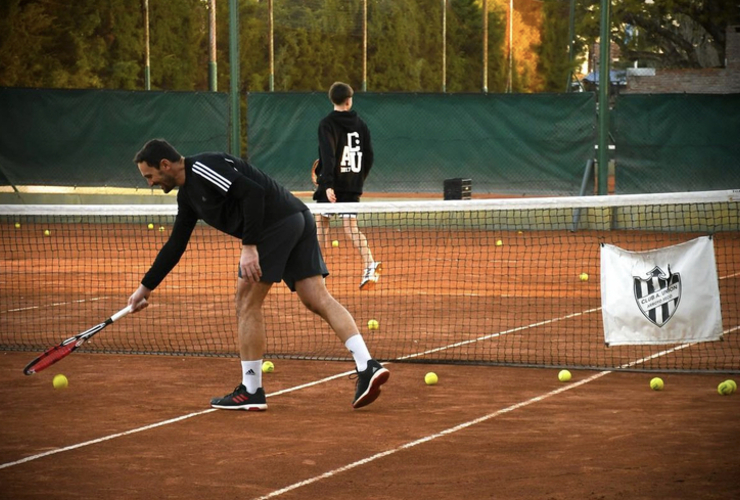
[[320, 196], [289, 250]]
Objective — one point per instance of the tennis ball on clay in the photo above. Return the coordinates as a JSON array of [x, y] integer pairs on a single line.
[[373, 324], [161, 229], [150, 226], [60, 381], [17, 225], [335, 243], [499, 243], [583, 276], [656, 384], [724, 389], [268, 367], [47, 232], [431, 378], [732, 384], [564, 376]]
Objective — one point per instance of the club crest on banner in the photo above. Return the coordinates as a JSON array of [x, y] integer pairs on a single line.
[[675, 288], [658, 295]]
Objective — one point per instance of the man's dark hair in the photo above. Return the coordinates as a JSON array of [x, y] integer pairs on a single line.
[[340, 92], [155, 151]]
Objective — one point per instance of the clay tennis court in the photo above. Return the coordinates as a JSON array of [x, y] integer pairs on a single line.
[[139, 426], [482, 432]]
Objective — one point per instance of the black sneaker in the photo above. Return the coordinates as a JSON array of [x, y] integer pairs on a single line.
[[240, 399], [369, 382]]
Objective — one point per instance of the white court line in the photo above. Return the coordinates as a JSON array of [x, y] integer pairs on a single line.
[[284, 391], [159, 424], [347, 373], [102, 439], [526, 327], [55, 304], [499, 334], [428, 438], [459, 427]]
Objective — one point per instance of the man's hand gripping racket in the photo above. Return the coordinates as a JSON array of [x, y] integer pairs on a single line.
[[54, 354]]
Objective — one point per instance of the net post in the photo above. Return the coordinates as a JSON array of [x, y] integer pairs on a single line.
[[234, 79], [604, 82], [588, 176]]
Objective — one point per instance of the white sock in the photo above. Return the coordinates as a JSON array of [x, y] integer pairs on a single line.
[[356, 345], [252, 375]]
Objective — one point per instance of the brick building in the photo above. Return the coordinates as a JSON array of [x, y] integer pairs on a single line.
[[691, 81]]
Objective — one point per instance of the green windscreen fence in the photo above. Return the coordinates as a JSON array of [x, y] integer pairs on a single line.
[[531, 144], [676, 142], [504, 143], [89, 137]]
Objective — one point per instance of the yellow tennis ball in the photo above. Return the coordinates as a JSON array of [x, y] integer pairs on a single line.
[[161, 229], [656, 384], [17, 225], [724, 389], [47, 232], [732, 384], [499, 243], [335, 243], [373, 324], [60, 381], [150, 226], [583, 276], [431, 378], [564, 376], [268, 367]]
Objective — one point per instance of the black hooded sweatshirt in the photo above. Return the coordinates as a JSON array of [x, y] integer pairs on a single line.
[[345, 153]]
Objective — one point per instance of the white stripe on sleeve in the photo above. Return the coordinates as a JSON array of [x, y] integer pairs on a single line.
[[212, 176]]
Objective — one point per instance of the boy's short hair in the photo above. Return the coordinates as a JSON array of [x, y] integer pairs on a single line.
[[155, 151], [339, 92]]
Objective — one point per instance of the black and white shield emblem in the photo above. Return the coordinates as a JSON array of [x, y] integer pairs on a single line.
[[658, 295]]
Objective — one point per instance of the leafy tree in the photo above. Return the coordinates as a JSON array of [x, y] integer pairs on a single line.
[[24, 35], [122, 33], [100, 44], [553, 63], [400, 49], [527, 19], [178, 36], [465, 42], [664, 33], [497, 64]]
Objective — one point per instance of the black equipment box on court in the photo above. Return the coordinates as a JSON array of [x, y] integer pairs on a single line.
[[458, 189]]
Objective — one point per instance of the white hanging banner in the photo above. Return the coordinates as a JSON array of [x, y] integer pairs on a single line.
[[665, 296]]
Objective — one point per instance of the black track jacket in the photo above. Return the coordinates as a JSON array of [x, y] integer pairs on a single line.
[[345, 152], [229, 194]]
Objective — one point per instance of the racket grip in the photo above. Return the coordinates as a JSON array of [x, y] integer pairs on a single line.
[[120, 314]]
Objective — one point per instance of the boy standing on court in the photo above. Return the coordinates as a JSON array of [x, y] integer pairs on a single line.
[[345, 160]]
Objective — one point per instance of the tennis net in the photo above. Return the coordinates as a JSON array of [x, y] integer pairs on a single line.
[[473, 281]]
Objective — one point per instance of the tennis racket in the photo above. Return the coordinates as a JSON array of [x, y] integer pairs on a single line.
[[314, 175], [54, 354]]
